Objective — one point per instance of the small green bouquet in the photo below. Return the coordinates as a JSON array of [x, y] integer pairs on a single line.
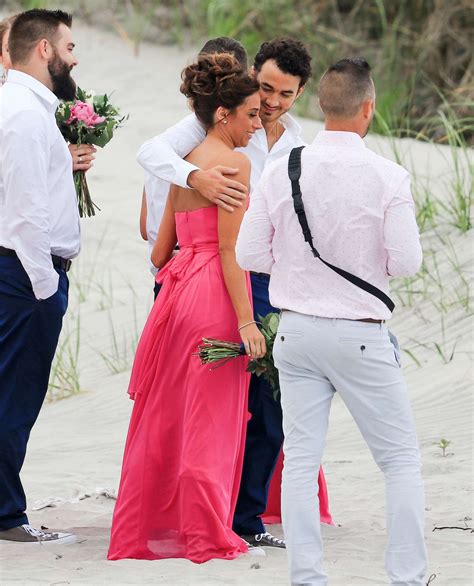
[[218, 352], [89, 119]]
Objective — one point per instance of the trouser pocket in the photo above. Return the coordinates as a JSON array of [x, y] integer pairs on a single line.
[[396, 348]]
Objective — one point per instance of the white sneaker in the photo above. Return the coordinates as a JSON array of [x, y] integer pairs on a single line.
[[27, 534], [255, 551]]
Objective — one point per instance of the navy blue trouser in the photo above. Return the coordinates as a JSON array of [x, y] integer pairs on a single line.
[[264, 436], [29, 332], [156, 290]]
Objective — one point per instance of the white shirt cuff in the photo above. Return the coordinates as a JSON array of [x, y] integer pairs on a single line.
[[182, 172], [46, 287]]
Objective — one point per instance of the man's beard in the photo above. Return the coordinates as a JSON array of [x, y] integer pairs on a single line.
[[64, 87], [271, 116]]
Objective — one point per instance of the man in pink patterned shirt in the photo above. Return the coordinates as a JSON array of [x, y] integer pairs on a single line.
[[332, 335]]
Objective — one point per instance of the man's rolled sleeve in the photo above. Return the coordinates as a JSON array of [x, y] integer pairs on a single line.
[[401, 235], [47, 287], [162, 156], [26, 160], [254, 243]]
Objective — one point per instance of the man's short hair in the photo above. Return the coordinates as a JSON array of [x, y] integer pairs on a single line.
[[30, 27], [226, 45], [5, 25], [290, 55], [344, 87]]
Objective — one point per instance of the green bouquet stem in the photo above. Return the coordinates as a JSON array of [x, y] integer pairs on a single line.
[[219, 352], [84, 200]]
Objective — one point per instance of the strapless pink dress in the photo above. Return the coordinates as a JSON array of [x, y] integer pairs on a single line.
[[184, 451]]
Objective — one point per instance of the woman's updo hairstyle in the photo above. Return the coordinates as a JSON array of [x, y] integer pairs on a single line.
[[216, 79]]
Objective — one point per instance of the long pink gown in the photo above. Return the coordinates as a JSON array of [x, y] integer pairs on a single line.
[[273, 511], [184, 451]]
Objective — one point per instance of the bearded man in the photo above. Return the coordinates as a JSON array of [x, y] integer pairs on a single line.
[[39, 234]]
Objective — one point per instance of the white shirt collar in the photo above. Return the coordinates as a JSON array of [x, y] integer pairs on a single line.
[[290, 124], [338, 138], [34, 85], [292, 131]]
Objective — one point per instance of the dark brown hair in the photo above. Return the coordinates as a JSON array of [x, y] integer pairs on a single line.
[[216, 80], [30, 27], [5, 26], [226, 45], [290, 55]]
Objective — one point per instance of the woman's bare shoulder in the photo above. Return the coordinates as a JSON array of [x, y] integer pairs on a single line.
[[206, 158], [235, 158]]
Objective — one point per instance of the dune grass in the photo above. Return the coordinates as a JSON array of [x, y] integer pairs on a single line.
[[123, 344], [64, 380], [460, 185], [420, 52]]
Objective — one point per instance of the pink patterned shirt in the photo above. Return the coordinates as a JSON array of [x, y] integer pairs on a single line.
[[362, 217]]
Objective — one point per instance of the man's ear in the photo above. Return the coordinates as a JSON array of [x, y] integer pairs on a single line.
[[253, 72], [45, 49], [368, 108]]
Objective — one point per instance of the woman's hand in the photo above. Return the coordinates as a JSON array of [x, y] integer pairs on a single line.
[[82, 156], [254, 341]]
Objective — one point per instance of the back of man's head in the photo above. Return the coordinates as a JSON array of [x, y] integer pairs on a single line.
[[290, 55], [226, 45], [30, 27], [344, 87], [5, 26]]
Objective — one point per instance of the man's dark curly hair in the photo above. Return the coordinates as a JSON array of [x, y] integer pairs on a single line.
[[290, 55]]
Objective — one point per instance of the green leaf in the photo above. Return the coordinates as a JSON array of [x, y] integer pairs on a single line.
[[81, 94], [273, 322]]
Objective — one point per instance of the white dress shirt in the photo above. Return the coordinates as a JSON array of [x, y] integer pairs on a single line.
[[156, 191], [162, 156], [362, 217], [257, 149], [38, 205]]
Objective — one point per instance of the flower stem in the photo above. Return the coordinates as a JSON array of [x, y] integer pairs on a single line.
[[84, 201]]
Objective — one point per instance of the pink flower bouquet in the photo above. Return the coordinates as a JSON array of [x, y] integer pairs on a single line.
[[83, 112], [89, 119]]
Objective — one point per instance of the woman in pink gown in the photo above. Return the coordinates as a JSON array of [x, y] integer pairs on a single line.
[[273, 511], [183, 456]]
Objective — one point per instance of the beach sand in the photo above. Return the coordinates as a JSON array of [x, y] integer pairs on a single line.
[[75, 449]]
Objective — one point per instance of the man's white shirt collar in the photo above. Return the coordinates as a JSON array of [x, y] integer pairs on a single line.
[[290, 124], [338, 138], [291, 127], [35, 86]]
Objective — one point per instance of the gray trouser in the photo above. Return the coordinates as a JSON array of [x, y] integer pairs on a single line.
[[317, 357]]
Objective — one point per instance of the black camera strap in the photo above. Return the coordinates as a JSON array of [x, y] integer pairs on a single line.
[[294, 173]]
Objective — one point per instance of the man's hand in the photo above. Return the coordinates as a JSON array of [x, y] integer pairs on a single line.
[[82, 156], [214, 185]]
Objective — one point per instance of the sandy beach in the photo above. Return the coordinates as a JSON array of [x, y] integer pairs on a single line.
[[74, 455]]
